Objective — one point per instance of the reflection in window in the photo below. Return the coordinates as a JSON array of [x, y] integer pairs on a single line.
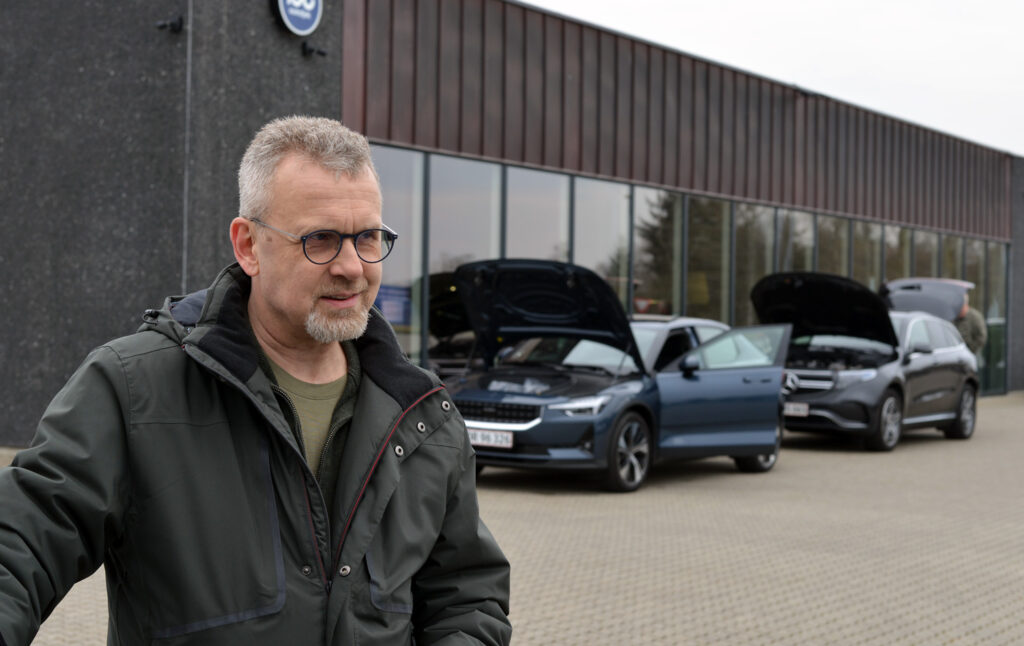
[[926, 253], [796, 241], [657, 251], [707, 259], [993, 364], [867, 254], [834, 245], [537, 215], [601, 231], [952, 257], [464, 211], [974, 268], [401, 185], [755, 239], [897, 252]]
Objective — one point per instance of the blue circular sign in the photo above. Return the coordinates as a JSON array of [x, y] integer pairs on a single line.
[[301, 17]]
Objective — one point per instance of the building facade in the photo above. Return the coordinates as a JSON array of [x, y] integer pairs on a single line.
[[499, 130]]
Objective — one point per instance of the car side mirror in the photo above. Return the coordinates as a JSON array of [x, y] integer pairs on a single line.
[[918, 348], [690, 364]]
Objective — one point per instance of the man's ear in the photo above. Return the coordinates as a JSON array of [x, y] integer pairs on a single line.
[[243, 242]]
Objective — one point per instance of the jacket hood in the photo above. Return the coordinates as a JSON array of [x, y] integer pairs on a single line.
[[943, 297], [816, 303], [509, 300]]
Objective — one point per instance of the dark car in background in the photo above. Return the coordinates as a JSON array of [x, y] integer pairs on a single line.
[[855, 367], [568, 382]]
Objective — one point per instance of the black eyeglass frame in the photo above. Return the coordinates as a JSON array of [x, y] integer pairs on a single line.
[[387, 234]]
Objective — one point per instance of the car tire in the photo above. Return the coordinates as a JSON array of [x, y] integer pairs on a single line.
[[763, 462], [888, 423], [629, 453], [962, 427]]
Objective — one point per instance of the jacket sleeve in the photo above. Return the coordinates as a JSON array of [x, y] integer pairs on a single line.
[[462, 592], [61, 499]]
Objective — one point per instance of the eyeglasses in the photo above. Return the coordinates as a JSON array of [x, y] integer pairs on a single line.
[[323, 246]]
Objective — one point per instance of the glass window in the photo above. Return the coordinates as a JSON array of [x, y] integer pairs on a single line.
[[952, 257], [926, 253], [834, 245], [796, 241], [974, 269], [993, 355], [537, 215], [658, 251], [464, 199], [707, 259], [401, 186], [601, 231], [867, 254], [755, 239], [742, 348], [897, 252]]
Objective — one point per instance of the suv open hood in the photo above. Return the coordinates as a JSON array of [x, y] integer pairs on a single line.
[[816, 303], [512, 299]]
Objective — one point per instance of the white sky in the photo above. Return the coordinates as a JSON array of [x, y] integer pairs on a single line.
[[956, 66]]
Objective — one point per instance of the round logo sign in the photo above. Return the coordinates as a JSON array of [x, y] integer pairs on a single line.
[[301, 17]]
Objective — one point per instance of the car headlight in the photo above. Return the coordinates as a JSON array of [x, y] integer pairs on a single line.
[[582, 406], [846, 378]]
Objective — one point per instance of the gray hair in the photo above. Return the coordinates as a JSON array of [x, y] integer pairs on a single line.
[[324, 141]]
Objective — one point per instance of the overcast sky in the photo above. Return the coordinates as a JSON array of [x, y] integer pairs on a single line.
[[956, 66]]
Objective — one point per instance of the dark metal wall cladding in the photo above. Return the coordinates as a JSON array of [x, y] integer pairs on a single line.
[[498, 80]]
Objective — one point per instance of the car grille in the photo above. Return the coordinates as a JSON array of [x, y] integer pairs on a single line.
[[808, 381], [490, 412]]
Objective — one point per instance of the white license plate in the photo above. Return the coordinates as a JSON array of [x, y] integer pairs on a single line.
[[796, 409], [496, 439]]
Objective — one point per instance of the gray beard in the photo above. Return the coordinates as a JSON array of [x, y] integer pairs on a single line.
[[329, 329]]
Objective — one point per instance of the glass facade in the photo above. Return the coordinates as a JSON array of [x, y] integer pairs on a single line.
[[663, 252], [657, 251], [707, 259]]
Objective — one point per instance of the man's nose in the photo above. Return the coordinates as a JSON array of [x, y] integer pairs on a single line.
[[347, 262]]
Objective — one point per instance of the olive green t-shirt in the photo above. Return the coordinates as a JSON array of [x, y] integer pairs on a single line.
[[314, 404]]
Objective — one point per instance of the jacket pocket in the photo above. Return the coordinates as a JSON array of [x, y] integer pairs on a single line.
[[388, 593]]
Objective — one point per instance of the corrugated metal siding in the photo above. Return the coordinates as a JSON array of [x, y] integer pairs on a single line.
[[504, 81]]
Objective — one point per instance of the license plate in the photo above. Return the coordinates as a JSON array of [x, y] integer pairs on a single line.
[[796, 409], [496, 439]]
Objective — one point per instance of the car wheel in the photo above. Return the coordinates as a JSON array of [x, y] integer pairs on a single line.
[[888, 424], [966, 416], [629, 453], [763, 462]]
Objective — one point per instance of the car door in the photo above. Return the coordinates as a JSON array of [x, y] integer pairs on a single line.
[[921, 381], [724, 394]]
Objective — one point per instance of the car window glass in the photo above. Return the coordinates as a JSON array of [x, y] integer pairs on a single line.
[[951, 334], [706, 332], [742, 348], [938, 335], [918, 334], [676, 344]]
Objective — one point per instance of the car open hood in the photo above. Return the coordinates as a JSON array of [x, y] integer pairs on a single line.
[[816, 303], [508, 300], [943, 297]]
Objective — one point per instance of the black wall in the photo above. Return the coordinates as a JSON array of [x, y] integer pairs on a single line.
[[1014, 342], [107, 123]]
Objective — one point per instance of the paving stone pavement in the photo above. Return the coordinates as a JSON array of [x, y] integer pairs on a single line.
[[835, 546]]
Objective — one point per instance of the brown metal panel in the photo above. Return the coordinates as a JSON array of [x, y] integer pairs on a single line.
[[378, 64], [842, 158], [606, 106], [739, 153], [753, 174], [590, 134], [713, 160], [700, 125], [686, 127], [885, 157], [639, 110], [353, 65], [553, 88], [515, 82], [728, 132], [472, 80], [810, 151], [765, 145], [671, 138], [860, 155], [787, 105], [799, 144], [821, 187], [571, 98], [656, 126], [623, 106], [868, 131], [426, 73], [533, 132], [778, 143], [494, 77], [449, 70], [403, 71]]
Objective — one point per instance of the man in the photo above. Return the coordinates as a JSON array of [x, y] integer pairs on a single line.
[[971, 325], [259, 464]]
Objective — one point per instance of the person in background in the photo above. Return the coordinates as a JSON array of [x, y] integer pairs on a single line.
[[971, 325], [259, 464]]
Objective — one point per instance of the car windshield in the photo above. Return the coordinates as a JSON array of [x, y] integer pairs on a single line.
[[568, 353], [845, 342]]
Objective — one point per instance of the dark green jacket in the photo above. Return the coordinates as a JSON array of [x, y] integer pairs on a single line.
[[167, 458]]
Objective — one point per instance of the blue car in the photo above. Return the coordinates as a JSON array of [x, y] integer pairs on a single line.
[[568, 382]]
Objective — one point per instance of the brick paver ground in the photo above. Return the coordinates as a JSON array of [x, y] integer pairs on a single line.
[[835, 546]]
